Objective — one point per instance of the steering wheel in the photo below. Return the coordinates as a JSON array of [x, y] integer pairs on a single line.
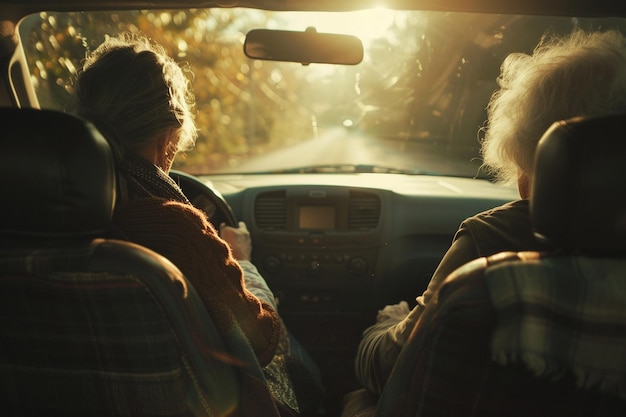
[[206, 198]]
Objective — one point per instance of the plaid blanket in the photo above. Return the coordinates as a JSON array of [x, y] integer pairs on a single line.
[[562, 315], [562, 323]]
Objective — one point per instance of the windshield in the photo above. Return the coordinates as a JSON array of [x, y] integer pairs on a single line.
[[415, 104]]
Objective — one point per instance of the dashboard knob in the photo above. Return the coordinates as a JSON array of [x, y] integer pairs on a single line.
[[357, 266], [272, 264]]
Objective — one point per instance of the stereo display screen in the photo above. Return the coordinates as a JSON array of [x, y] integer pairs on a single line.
[[316, 217]]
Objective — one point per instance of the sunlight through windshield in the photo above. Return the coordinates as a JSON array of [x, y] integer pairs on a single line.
[[415, 104]]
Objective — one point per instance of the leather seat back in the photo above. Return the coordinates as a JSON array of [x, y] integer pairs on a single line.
[[91, 326]]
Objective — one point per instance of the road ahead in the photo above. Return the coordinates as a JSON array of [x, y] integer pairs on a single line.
[[341, 146]]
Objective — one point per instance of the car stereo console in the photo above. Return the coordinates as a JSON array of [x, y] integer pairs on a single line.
[[322, 235]]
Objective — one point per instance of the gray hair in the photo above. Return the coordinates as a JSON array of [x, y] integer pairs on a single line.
[[583, 74], [133, 91]]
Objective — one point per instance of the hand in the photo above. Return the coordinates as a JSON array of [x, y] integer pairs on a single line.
[[395, 311], [239, 240]]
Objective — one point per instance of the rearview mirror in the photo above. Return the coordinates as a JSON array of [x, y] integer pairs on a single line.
[[305, 47]]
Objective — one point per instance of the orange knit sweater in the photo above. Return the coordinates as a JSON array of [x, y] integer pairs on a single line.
[[183, 234]]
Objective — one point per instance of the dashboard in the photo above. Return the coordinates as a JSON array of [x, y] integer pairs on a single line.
[[336, 248]]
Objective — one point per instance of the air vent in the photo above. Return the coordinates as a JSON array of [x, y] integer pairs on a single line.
[[270, 210], [363, 210]]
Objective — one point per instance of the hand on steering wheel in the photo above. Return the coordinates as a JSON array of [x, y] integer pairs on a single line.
[[238, 239], [206, 198]]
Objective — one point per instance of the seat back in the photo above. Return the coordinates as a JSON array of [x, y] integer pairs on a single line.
[[91, 326], [534, 334]]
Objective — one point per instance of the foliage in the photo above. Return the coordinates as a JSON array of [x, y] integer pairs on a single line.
[[237, 100]]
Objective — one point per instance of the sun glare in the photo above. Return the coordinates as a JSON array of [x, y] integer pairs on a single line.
[[365, 24]]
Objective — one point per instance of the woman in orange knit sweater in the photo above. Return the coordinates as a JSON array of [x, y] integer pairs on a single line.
[[140, 99]]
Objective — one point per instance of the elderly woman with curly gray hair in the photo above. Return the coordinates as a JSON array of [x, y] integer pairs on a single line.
[[582, 74]]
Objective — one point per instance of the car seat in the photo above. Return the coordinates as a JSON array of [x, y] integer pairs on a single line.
[[534, 334], [91, 326]]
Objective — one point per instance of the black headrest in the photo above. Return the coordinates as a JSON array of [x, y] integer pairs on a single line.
[[578, 197], [57, 174]]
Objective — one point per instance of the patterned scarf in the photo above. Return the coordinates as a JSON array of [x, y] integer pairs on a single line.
[[138, 178]]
